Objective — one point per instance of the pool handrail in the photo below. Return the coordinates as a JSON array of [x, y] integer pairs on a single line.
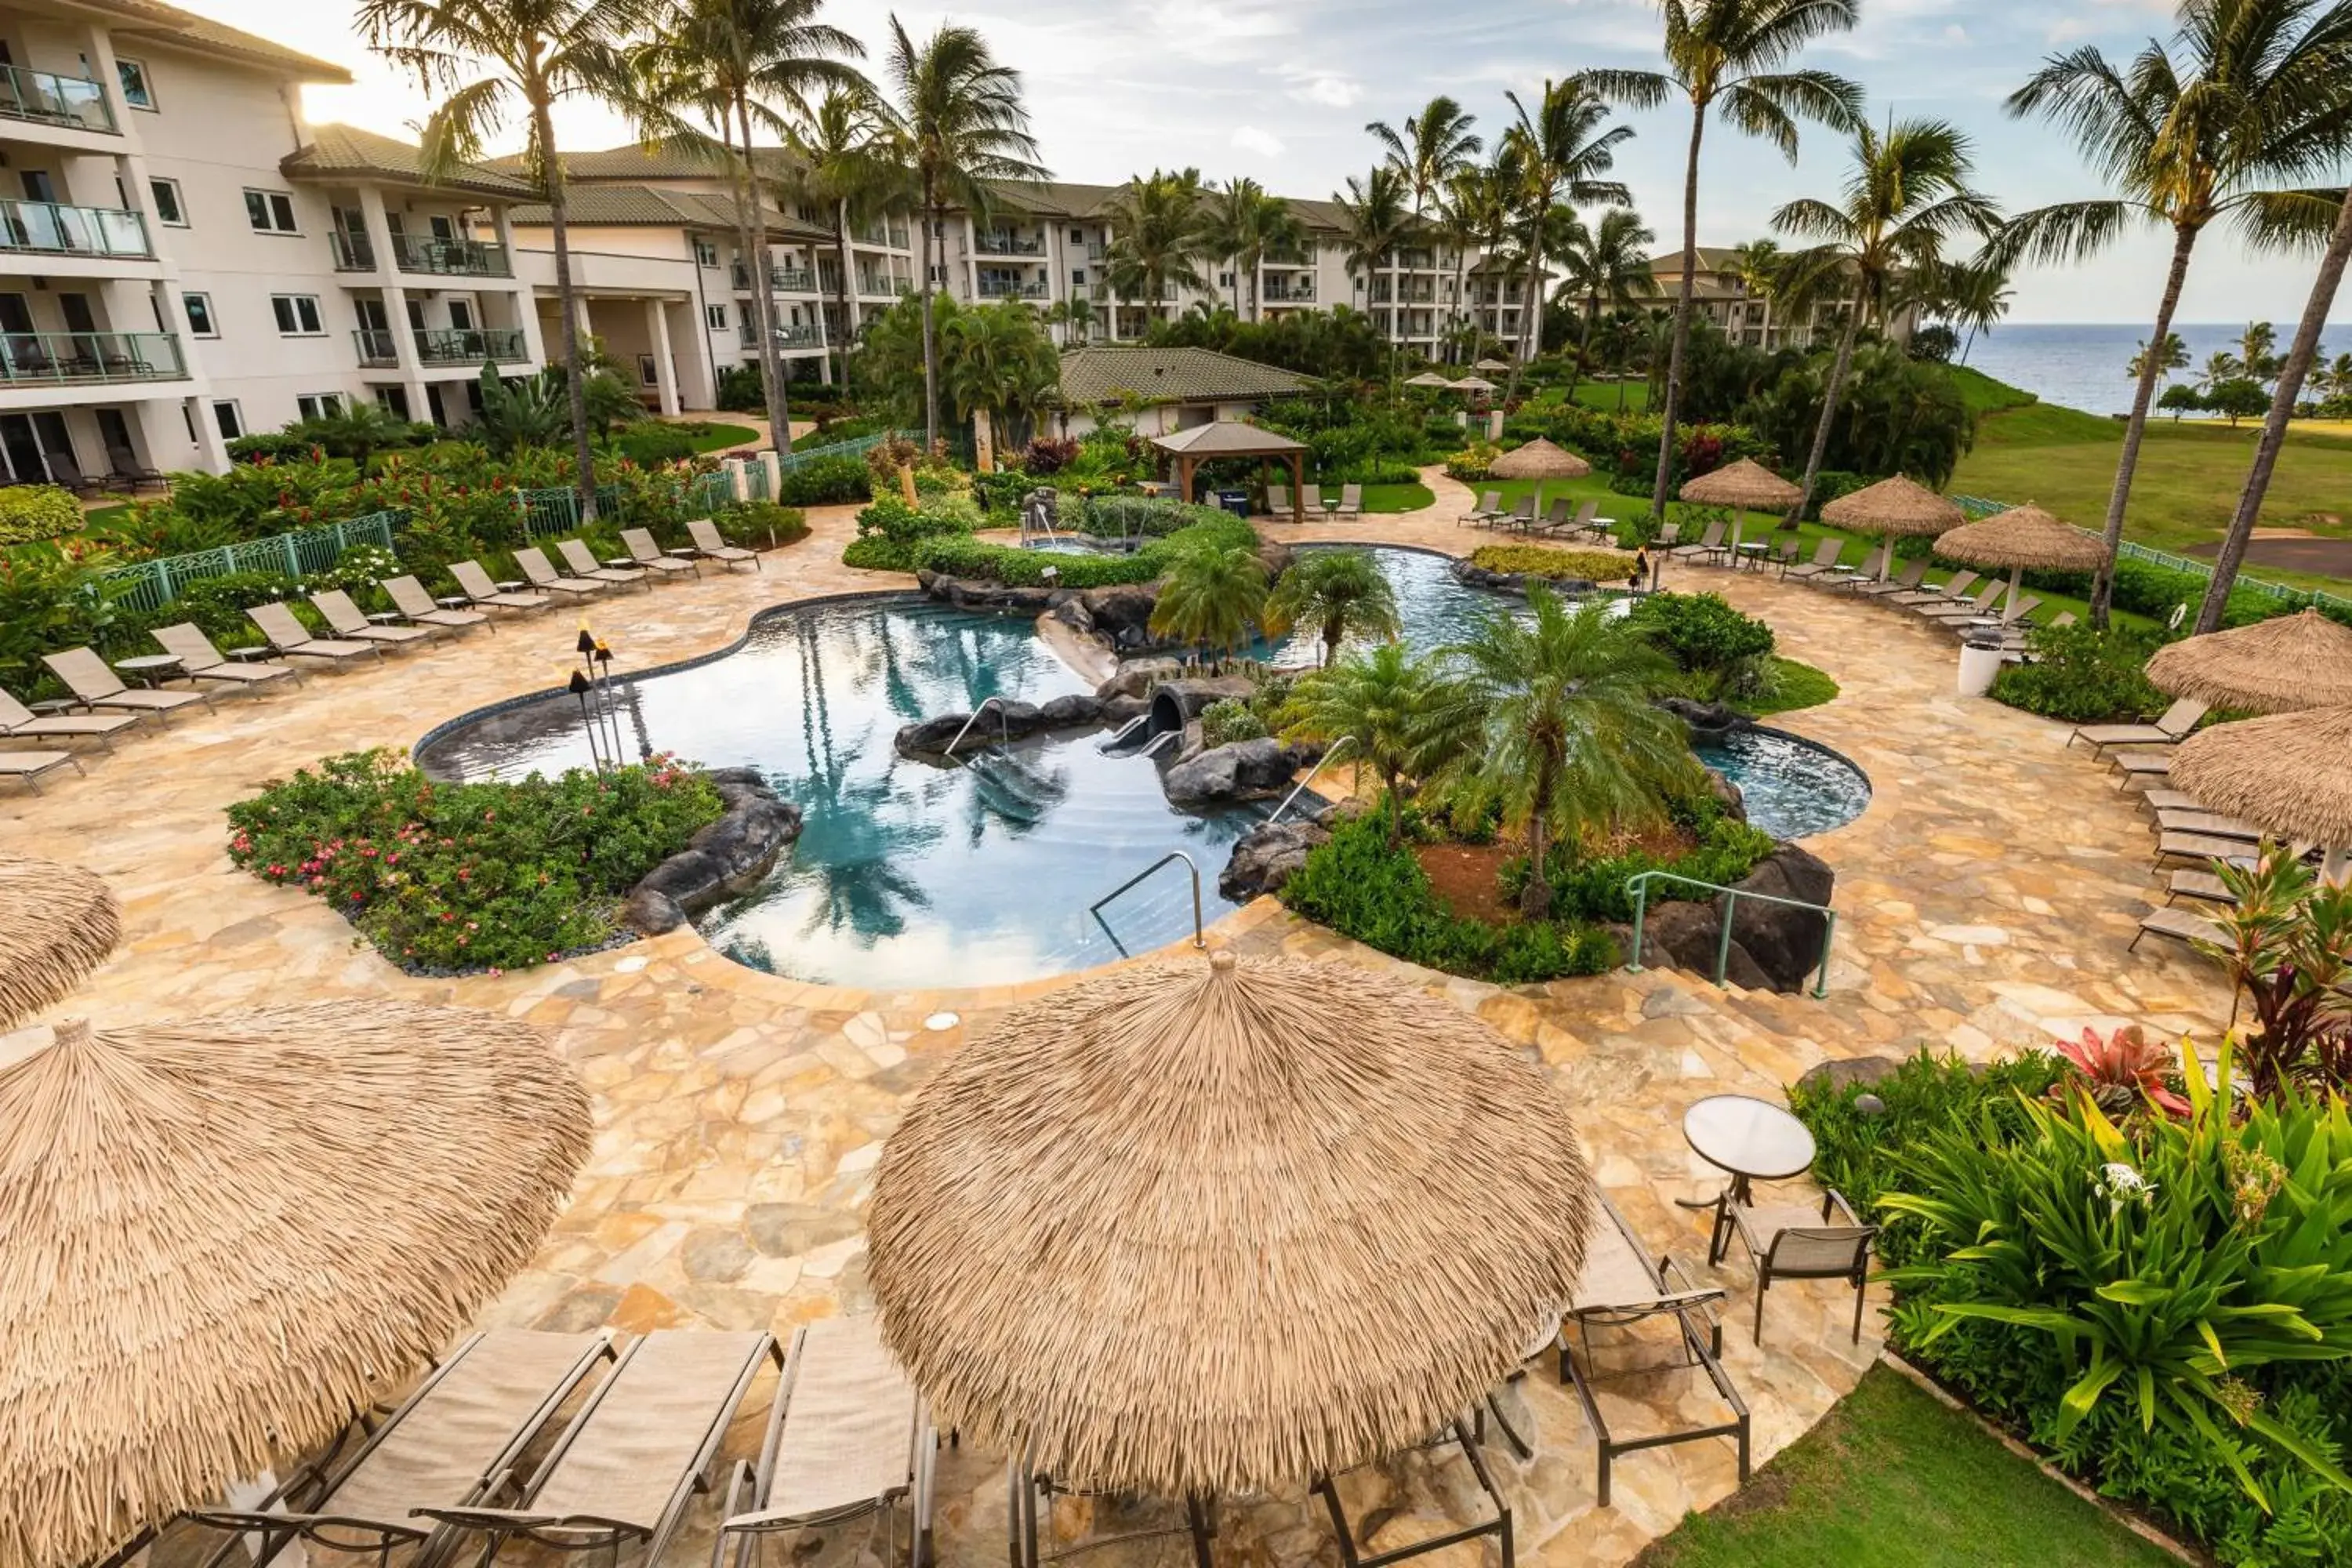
[[1639, 886], [1200, 932], [1005, 725], [1301, 787], [1122, 732]]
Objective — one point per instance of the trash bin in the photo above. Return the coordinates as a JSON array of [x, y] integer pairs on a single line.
[[1235, 502], [1979, 662]]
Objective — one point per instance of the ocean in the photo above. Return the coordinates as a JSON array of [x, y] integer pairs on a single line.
[[2088, 366]]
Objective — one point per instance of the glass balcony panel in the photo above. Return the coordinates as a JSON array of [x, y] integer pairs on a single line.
[[52, 100], [90, 357]]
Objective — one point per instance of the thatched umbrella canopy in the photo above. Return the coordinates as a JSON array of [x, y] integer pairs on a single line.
[[1492, 364], [57, 923], [1540, 460], [1427, 378], [1221, 1226], [1747, 484], [2285, 774], [218, 1237], [2020, 537], [2277, 665], [1894, 506], [1473, 383]]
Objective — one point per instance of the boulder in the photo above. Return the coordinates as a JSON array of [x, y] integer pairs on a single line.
[[1785, 942], [1267, 856], [1137, 676], [1000, 721], [724, 860], [1275, 557], [1685, 936], [966, 593], [1243, 771], [1848, 1071], [1073, 708], [1726, 795], [1707, 721], [1122, 611], [1117, 710]]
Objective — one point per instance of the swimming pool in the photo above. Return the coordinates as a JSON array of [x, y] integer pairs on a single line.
[[1791, 788]]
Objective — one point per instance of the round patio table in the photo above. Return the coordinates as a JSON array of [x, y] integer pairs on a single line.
[[148, 669], [1752, 1138], [1751, 551]]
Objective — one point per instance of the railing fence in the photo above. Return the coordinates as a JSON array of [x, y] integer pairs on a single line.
[[151, 584]]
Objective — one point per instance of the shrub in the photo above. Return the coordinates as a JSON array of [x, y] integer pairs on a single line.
[[218, 604], [447, 876], [824, 481], [360, 568], [651, 442], [1722, 651], [757, 524], [1474, 462], [2084, 676], [276, 445], [1045, 455], [1593, 888], [33, 513], [1223, 722], [1553, 564]]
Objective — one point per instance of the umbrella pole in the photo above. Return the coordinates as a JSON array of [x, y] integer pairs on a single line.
[[1885, 556], [2015, 573], [2336, 867]]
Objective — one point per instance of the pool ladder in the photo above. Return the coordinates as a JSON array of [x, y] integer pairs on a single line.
[[1004, 726], [1200, 932], [1129, 728]]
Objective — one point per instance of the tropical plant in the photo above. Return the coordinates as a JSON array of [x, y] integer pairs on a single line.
[[1337, 593], [1475, 213], [31, 513], [2286, 942], [1076, 313], [1243, 223], [842, 168], [354, 430], [1214, 596], [1398, 712], [526, 411], [482, 61], [959, 123], [1157, 234], [1374, 220], [1566, 150], [2170, 354], [1608, 264], [1432, 147], [2119, 1073], [1975, 295], [999, 363], [2255, 100]]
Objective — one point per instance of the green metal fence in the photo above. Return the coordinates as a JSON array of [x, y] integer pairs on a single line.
[[2287, 593], [856, 446], [152, 585]]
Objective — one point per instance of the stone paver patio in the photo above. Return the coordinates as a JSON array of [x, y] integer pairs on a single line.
[[1985, 901]]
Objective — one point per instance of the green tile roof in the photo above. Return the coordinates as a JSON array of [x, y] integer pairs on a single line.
[[1104, 372], [345, 150]]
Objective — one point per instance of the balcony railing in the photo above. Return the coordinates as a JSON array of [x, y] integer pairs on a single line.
[[376, 348], [1012, 288], [53, 99], [48, 230], [449, 258], [1299, 291], [352, 252], [469, 345], [1002, 244], [1289, 258], [70, 357], [787, 279], [869, 283], [878, 234], [807, 335]]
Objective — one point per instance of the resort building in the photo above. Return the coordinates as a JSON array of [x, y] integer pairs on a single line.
[[1721, 294], [1176, 388]]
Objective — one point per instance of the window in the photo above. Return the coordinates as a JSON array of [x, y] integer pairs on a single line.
[[231, 422], [136, 92], [715, 317], [461, 316], [200, 315], [319, 405], [270, 212], [646, 375], [1078, 276], [1077, 237], [1224, 279], [705, 254], [188, 419], [298, 315], [169, 209]]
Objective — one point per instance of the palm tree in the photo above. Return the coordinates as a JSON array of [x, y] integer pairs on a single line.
[[2184, 143], [841, 166], [1564, 152], [959, 123], [1905, 197], [1976, 296], [1433, 146], [1076, 313], [1243, 223], [1731, 52], [1338, 591], [1155, 232], [2171, 354], [1477, 209], [1567, 738], [484, 61], [1607, 264], [997, 362], [1399, 711], [2258, 352], [1211, 597], [2221, 365], [1374, 221]]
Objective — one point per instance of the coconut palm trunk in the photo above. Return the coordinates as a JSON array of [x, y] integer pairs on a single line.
[[931, 338], [1683, 297], [1535, 899], [575, 386], [842, 294], [771, 361], [1830, 391], [2298, 365], [2102, 590]]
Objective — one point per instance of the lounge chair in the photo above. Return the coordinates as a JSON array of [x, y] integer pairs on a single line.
[[1589, 518], [418, 608], [2200, 885], [1825, 558], [1484, 515], [652, 558], [1784, 557], [2142, 769], [848, 1436], [94, 684], [2181, 925], [1560, 519], [2174, 819], [626, 1468], [1903, 581], [1351, 500], [548, 580], [1277, 502], [1942, 593], [711, 547], [346, 619], [1789, 1241], [1711, 543], [18, 722], [476, 585], [292, 639], [2174, 726], [1668, 533], [30, 765], [1967, 609], [1521, 517], [2225, 846], [1966, 625], [462, 1428], [202, 661], [580, 562], [1311, 497]]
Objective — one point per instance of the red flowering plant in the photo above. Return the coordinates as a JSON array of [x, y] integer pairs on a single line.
[[475, 876], [2119, 1073]]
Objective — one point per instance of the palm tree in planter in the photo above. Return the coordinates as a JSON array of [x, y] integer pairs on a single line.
[[1214, 596], [1156, 233], [1243, 223], [1567, 738], [1338, 592], [1608, 264], [1401, 714]]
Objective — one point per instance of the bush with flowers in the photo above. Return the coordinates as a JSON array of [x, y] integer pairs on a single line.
[[457, 877]]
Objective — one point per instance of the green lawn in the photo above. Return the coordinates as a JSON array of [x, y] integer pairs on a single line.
[[1795, 685], [1891, 1478], [719, 436], [1397, 498], [1598, 394]]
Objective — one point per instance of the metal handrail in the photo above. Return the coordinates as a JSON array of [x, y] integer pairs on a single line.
[[1005, 725], [1639, 886], [1166, 737], [1301, 787], [1123, 731], [1200, 932]]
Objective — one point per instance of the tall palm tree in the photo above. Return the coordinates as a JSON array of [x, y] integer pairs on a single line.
[[1432, 147], [1478, 208], [959, 123], [998, 363], [1567, 736], [1976, 296], [2251, 104], [1907, 197], [1374, 221], [1243, 223], [2170, 354], [1157, 232], [1565, 147], [1076, 313], [1400, 712], [1213, 597], [1608, 264], [841, 166], [1338, 592], [2258, 352], [1730, 53], [486, 60], [2221, 365]]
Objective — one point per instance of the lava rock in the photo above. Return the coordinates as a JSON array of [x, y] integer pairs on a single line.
[[1267, 856], [1123, 611], [1687, 936], [1785, 942], [966, 593], [1727, 795], [1074, 708], [1117, 710], [1137, 676], [1000, 721], [1847, 1071], [1707, 721], [724, 860], [1175, 703], [1244, 770]]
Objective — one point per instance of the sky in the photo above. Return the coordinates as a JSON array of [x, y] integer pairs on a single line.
[[1281, 89]]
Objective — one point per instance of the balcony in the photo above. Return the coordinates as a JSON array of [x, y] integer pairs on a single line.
[[449, 258], [1289, 258], [470, 345], [1293, 291], [45, 229], [879, 234], [377, 350], [807, 335], [874, 285], [84, 358], [47, 99], [1012, 288], [1002, 244], [783, 279], [352, 252]]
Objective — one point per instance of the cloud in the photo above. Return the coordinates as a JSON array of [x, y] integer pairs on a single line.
[[1955, 34], [1250, 139], [1322, 87], [2066, 29]]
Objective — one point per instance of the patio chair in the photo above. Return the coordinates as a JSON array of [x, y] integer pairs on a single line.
[[711, 547], [848, 1436], [1903, 581], [1965, 609], [1357, 1548], [1825, 557], [1312, 497], [1521, 517], [652, 558], [346, 619], [419, 608], [2171, 727], [2227, 848], [1589, 518], [18, 722], [580, 562], [544, 577], [1351, 500], [1277, 502], [1949, 589], [465, 1425], [1558, 519], [1847, 580], [2142, 769], [94, 684], [1784, 557], [292, 639], [2203, 886], [30, 765], [1483, 515], [202, 661], [1031, 1494], [1789, 1241], [1709, 545], [476, 585], [626, 1468], [1965, 626], [1667, 535]]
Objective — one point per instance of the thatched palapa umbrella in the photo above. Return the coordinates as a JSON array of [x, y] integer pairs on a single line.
[[1427, 378], [57, 923], [219, 1236], [2020, 537], [2286, 774], [1493, 366], [2277, 665], [1745, 485], [1477, 384], [1540, 460], [1892, 507], [1224, 1225]]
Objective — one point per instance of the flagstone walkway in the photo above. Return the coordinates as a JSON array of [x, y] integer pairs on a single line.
[[1985, 901]]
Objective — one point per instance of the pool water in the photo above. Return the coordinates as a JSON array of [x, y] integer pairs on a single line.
[[1792, 788]]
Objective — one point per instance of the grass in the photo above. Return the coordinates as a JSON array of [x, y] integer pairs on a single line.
[[1892, 1479], [103, 516], [1397, 498], [1794, 685], [1601, 396], [719, 436]]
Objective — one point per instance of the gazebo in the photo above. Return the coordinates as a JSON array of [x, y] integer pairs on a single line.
[[220, 1238], [1540, 460], [1892, 507], [2285, 774], [1232, 438], [2020, 537], [57, 923], [2277, 665]]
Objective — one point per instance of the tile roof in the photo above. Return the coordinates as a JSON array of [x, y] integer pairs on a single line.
[[1103, 372], [153, 20], [630, 207], [343, 150]]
